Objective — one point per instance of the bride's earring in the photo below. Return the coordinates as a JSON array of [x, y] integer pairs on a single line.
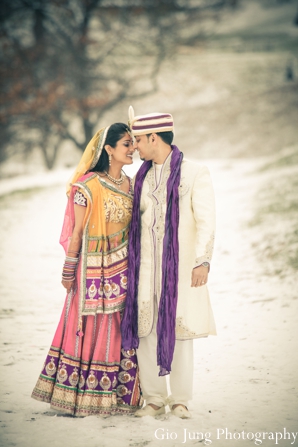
[[110, 159]]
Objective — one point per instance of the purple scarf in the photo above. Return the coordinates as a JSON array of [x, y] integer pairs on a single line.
[[169, 293]]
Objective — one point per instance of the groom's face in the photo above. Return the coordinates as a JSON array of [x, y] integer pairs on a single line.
[[143, 145]]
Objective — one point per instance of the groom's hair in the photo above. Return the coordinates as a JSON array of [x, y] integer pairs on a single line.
[[167, 137]]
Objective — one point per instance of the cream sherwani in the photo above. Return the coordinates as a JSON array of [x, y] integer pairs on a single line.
[[194, 317]]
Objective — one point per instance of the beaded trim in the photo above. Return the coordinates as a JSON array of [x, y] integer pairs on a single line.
[[208, 252], [99, 147], [80, 199], [112, 188], [157, 194]]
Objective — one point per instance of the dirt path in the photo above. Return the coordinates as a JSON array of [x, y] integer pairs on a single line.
[[245, 378]]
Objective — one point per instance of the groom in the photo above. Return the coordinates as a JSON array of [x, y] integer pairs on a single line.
[[170, 249]]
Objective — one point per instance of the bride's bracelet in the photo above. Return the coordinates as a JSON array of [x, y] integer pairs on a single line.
[[69, 268], [71, 259]]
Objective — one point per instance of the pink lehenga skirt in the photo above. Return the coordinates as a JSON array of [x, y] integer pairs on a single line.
[[102, 379]]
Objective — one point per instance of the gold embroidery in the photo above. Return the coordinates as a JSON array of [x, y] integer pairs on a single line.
[[129, 353], [127, 364], [158, 196], [80, 199], [51, 368], [105, 382], [122, 390], [125, 377], [62, 374], [208, 252], [92, 290], [74, 377], [117, 209], [107, 259], [182, 331], [43, 389], [91, 381], [81, 381], [183, 187], [77, 400], [144, 320], [123, 281]]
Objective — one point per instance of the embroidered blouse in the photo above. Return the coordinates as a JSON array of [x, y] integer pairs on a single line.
[[103, 279], [80, 199]]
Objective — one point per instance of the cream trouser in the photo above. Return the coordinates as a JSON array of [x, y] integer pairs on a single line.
[[154, 387]]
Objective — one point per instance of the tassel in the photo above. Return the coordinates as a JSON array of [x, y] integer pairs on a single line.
[[79, 332]]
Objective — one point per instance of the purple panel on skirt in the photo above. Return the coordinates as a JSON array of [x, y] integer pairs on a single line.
[[97, 288], [122, 380]]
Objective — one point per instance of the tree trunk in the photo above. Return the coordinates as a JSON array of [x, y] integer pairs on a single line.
[[88, 129], [50, 155], [38, 27]]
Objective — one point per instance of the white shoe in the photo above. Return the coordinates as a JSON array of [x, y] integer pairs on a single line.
[[181, 412], [149, 411]]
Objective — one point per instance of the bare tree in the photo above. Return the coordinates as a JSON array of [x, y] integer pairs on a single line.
[[69, 61]]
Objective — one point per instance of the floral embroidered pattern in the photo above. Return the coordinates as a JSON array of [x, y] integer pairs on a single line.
[[62, 374], [208, 252], [182, 331], [83, 388], [117, 209], [128, 354], [183, 187], [125, 377], [105, 382], [158, 195], [145, 317], [51, 367], [92, 381], [80, 199], [127, 364], [74, 377], [122, 391]]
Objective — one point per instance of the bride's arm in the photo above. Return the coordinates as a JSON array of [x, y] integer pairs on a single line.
[[69, 270]]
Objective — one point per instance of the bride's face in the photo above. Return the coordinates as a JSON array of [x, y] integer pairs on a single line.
[[123, 151]]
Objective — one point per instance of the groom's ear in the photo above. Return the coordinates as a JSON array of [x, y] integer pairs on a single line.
[[154, 138]]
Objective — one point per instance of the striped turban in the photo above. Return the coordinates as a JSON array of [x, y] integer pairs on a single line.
[[150, 123]]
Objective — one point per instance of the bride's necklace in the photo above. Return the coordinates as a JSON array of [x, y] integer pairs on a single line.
[[117, 181]]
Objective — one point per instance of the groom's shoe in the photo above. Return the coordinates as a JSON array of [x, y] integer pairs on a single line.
[[180, 411], [149, 411]]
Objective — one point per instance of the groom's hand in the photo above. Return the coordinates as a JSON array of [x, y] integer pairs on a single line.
[[199, 276]]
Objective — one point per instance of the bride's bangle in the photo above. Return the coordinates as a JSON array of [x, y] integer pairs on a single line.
[[69, 268]]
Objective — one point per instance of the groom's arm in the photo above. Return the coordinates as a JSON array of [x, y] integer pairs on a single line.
[[203, 205]]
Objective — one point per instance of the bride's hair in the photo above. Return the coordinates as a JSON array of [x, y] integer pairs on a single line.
[[115, 133]]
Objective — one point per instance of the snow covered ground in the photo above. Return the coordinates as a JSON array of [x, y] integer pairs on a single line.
[[225, 105], [245, 382]]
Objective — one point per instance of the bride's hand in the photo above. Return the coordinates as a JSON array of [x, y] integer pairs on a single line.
[[69, 285]]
